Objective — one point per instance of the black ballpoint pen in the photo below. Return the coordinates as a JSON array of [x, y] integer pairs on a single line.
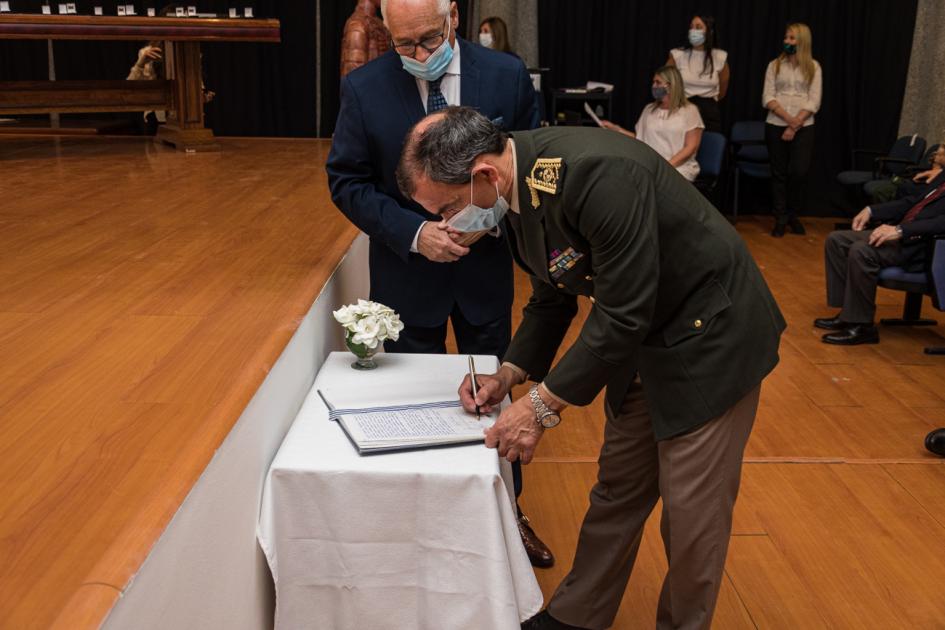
[[475, 385]]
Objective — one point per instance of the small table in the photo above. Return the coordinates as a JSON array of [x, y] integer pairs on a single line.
[[416, 539], [567, 106]]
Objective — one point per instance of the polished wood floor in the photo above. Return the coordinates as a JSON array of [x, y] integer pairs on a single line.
[[842, 511], [145, 295], [147, 292]]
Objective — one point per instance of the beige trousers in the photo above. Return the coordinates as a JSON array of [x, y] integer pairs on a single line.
[[697, 475]]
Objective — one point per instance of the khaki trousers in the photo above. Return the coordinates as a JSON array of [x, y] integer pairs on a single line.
[[697, 475]]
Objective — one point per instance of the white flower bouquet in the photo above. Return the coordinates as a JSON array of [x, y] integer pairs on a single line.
[[367, 325]]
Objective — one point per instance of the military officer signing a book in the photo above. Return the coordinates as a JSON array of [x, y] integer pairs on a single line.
[[681, 331]]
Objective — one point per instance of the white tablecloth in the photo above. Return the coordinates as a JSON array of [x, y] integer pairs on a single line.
[[422, 539]]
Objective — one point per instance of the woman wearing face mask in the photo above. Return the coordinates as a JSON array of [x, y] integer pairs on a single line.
[[494, 34], [704, 69], [791, 95], [671, 125]]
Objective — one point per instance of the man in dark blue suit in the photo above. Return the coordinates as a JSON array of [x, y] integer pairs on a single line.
[[416, 267], [854, 258]]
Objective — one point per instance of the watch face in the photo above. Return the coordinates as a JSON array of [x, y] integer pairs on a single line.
[[550, 421]]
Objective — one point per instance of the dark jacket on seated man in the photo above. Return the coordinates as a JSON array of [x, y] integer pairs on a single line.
[[929, 221], [854, 258]]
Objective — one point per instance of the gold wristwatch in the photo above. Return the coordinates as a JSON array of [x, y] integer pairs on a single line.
[[546, 417]]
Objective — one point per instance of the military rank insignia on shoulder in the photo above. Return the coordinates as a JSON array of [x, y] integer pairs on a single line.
[[546, 176]]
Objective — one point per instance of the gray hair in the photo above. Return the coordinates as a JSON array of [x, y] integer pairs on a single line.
[[443, 8], [446, 150]]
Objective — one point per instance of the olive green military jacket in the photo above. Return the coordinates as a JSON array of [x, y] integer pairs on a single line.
[[676, 295]]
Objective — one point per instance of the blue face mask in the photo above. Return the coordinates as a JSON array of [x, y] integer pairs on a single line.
[[472, 218], [435, 65], [790, 48], [658, 92], [696, 37]]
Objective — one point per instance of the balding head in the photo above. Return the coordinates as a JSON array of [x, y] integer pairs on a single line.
[[443, 147], [400, 7]]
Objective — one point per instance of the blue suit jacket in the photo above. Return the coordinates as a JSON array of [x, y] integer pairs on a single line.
[[379, 104], [930, 221]]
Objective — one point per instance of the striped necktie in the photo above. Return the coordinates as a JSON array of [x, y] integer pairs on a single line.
[[917, 208], [435, 99]]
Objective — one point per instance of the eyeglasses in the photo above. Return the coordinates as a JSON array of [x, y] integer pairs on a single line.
[[430, 44]]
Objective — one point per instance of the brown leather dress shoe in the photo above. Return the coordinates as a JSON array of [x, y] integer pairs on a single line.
[[538, 552]]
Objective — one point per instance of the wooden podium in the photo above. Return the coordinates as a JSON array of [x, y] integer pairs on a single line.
[[180, 93]]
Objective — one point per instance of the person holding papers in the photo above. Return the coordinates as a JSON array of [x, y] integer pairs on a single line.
[[670, 124], [682, 330]]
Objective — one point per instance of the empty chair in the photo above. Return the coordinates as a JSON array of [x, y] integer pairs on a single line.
[[749, 154], [711, 158]]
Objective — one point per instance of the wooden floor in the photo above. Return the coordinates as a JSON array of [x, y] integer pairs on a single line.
[[841, 515], [147, 292], [145, 295]]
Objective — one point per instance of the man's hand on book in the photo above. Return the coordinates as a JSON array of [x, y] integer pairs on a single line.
[[516, 433], [493, 388]]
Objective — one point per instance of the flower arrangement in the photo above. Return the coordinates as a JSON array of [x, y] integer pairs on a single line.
[[367, 325]]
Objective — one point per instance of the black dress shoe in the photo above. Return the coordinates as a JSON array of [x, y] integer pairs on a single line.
[[538, 552], [778, 230], [830, 323], [854, 335], [544, 621], [935, 442]]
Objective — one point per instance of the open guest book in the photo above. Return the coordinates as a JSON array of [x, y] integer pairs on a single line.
[[404, 425]]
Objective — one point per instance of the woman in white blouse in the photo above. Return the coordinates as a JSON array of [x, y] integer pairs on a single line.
[[704, 69], [791, 95], [671, 125]]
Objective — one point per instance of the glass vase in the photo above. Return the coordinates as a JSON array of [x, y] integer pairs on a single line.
[[364, 354]]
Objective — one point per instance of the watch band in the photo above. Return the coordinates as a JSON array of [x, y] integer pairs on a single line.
[[542, 411]]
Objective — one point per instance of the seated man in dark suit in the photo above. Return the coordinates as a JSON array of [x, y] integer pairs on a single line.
[[854, 258], [415, 267]]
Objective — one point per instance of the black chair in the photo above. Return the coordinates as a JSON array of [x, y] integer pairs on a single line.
[[749, 155], [905, 152], [937, 279], [875, 188], [930, 281], [711, 159]]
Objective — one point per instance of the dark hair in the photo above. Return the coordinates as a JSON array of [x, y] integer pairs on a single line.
[[500, 33], [708, 64], [447, 149]]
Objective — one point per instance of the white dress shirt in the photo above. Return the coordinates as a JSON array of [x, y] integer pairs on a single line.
[[791, 89], [665, 133], [449, 87], [689, 63]]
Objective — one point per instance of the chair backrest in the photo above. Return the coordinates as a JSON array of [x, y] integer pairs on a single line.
[[937, 271], [711, 153], [908, 148], [748, 131]]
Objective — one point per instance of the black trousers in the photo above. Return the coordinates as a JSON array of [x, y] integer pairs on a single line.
[[489, 338], [852, 267], [790, 163], [709, 110]]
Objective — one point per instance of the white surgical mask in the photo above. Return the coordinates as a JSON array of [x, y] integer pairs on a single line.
[[472, 218], [486, 39], [696, 37]]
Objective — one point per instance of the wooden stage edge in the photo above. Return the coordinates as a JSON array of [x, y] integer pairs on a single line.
[[149, 292]]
